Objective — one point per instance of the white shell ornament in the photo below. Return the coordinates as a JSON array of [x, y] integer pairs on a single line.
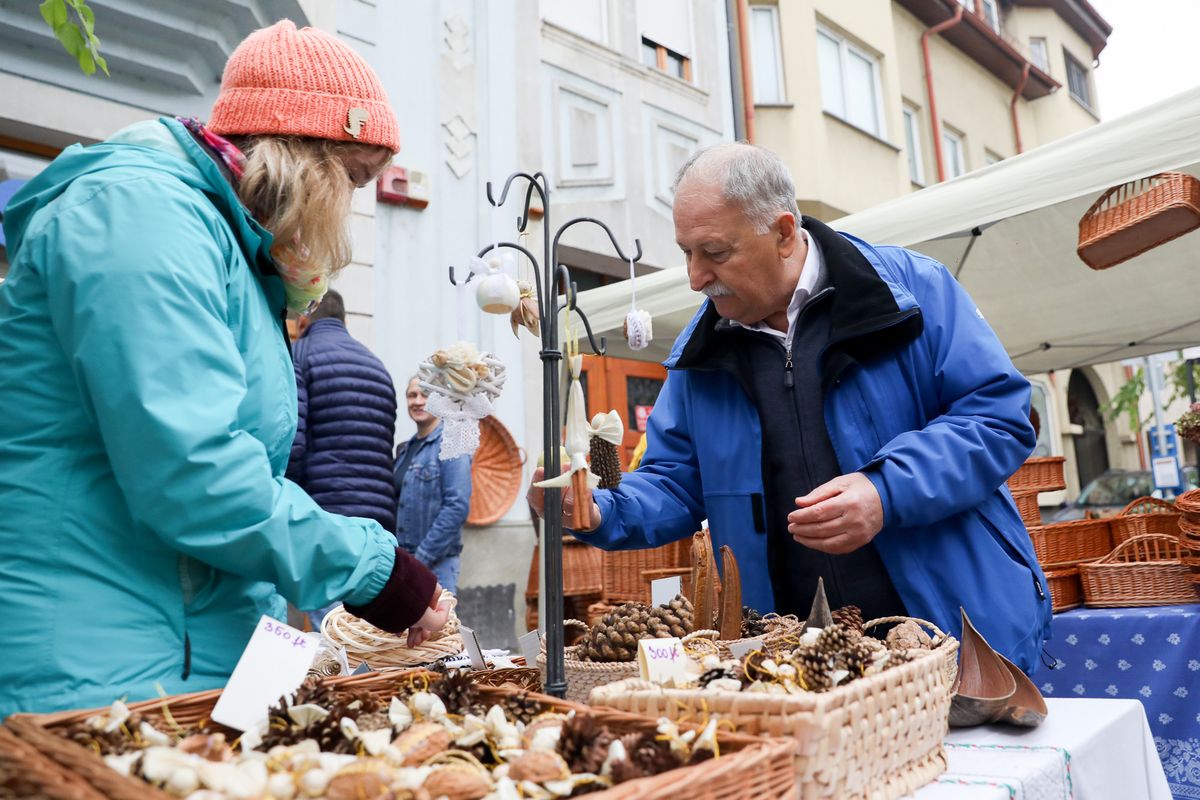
[[497, 292], [639, 331]]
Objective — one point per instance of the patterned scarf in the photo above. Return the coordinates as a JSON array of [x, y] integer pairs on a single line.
[[304, 287]]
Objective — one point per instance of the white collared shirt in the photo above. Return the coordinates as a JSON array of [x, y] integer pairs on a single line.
[[810, 276]]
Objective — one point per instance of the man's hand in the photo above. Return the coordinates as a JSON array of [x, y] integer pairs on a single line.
[[537, 500], [432, 621], [838, 517]]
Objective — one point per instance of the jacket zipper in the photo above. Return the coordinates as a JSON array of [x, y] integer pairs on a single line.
[[788, 379]]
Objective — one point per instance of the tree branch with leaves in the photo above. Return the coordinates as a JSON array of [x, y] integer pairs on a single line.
[[76, 32]]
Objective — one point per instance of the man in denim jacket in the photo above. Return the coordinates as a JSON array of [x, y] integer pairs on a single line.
[[434, 496]]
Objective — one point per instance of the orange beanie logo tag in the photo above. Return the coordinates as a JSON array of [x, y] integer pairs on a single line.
[[356, 117]]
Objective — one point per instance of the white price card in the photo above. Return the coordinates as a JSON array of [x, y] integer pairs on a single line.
[[273, 664], [531, 646], [663, 590], [740, 649], [471, 643], [664, 661]]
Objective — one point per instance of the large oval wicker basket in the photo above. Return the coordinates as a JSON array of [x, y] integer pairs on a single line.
[[495, 473], [1043, 474], [1073, 541], [1143, 571], [1145, 515], [1137, 216]]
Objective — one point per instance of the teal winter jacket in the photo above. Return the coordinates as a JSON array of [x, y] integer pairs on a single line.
[[147, 408]]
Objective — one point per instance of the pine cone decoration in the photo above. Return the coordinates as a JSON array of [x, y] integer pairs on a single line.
[[615, 637], [677, 615], [457, 691], [646, 756], [833, 640], [523, 708], [814, 671], [753, 624], [583, 743], [851, 618], [605, 463], [717, 673]]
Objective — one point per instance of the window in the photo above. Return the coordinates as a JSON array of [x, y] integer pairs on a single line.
[[767, 63], [587, 18], [1039, 54], [990, 158], [656, 56], [955, 153], [1077, 81], [1040, 404], [849, 82], [912, 145], [991, 14]]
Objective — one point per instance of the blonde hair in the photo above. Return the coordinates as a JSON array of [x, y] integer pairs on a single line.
[[299, 190]]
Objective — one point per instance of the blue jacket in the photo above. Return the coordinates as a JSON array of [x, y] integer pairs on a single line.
[[148, 406], [346, 423], [434, 498], [919, 395]]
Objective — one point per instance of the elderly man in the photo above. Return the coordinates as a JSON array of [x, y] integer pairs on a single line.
[[836, 410]]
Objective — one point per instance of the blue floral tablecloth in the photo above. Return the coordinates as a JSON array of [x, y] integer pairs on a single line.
[[1146, 654]]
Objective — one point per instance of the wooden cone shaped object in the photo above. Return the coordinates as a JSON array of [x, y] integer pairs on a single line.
[[729, 619], [704, 580], [985, 687], [819, 616]]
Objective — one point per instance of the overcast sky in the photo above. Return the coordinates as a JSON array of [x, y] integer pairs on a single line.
[[1152, 53]]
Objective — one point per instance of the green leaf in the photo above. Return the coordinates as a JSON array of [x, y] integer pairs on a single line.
[[100, 61], [55, 13], [86, 15], [72, 39], [86, 62]]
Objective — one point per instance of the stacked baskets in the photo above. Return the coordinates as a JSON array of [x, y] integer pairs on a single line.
[[1058, 549], [1189, 532], [1033, 477]]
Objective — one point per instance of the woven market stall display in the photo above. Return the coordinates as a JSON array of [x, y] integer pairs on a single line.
[[437, 744]]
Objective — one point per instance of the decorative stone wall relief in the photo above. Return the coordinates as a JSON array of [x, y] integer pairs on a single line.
[[457, 89], [667, 141], [581, 126]]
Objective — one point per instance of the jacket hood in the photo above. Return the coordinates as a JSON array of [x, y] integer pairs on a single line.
[[163, 146]]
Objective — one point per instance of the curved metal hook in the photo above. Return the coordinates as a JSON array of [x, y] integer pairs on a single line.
[[570, 305], [637, 242], [587, 326], [523, 220], [537, 272]]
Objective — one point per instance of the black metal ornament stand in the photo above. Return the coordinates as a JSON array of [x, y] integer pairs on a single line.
[[549, 275]]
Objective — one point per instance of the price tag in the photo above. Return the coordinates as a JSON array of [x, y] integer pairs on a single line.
[[663, 661], [663, 590], [273, 664], [531, 646], [474, 651], [740, 649]]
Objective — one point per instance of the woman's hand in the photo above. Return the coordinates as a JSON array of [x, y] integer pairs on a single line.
[[432, 621]]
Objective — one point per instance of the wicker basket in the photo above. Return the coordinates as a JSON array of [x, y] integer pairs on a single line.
[[1145, 515], [748, 768], [496, 473], [25, 772], [945, 644], [1027, 505], [1039, 475], [1074, 541], [582, 566], [1137, 216], [1144, 571], [624, 569], [1066, 590], [878, 737], [1189, 503]]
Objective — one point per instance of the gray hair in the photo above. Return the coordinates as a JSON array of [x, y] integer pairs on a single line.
[[753, 178]]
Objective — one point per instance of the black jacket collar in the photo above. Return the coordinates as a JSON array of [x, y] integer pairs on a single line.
[[866, 318]]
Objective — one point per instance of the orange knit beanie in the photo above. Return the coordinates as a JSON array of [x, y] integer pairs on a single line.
[[304, 82]]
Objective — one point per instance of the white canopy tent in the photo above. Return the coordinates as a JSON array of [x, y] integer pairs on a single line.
[[1009, 233]]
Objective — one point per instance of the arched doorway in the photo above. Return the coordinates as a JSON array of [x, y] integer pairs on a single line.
[[1091, 446]]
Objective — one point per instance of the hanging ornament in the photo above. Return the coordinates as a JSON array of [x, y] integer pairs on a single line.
[[497, 292], [638, 328], [606, 433], [526, 312], [463, 384], [578, 476]]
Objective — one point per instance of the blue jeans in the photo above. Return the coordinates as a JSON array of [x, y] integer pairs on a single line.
[[447, 571]]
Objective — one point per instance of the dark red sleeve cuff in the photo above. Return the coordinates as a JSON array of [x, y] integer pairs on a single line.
[[404, 598]]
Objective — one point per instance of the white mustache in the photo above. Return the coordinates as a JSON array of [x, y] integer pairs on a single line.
[[717, 289]]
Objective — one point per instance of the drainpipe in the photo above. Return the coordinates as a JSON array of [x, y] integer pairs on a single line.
[[735, 69], [1012, 107], [933, 115], [743, 19]]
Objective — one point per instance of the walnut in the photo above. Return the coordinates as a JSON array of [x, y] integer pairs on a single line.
[[457, 784], [539, 767], [421, 742]]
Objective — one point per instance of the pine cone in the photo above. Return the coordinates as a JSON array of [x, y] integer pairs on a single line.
[[752, 623], [814, 671], [715, 674], [646, 756], [457, 691], [615, 637], [677, 616], [833, 640], [522, 708], [583, 743], [605, 463], [850, 617]]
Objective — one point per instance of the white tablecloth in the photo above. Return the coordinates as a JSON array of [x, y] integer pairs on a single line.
[[1085, 750]]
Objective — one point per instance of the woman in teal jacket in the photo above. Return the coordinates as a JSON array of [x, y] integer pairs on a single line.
[[148, 393]]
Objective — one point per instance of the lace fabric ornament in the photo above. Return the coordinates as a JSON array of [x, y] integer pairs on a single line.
[[639, 331], [463, 385]]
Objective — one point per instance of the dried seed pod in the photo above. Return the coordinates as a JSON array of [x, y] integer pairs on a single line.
[[908, 635], [729, 621], [539, 767], [704, 580], [421, 742], [211, 747], [457, 784], [366, 784]]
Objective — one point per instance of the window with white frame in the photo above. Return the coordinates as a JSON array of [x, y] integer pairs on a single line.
[[1039, 54], [912, 144], [587, 18], [955, 153], [850, 87], [1077, 81], [991, 14], [767, 65]]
